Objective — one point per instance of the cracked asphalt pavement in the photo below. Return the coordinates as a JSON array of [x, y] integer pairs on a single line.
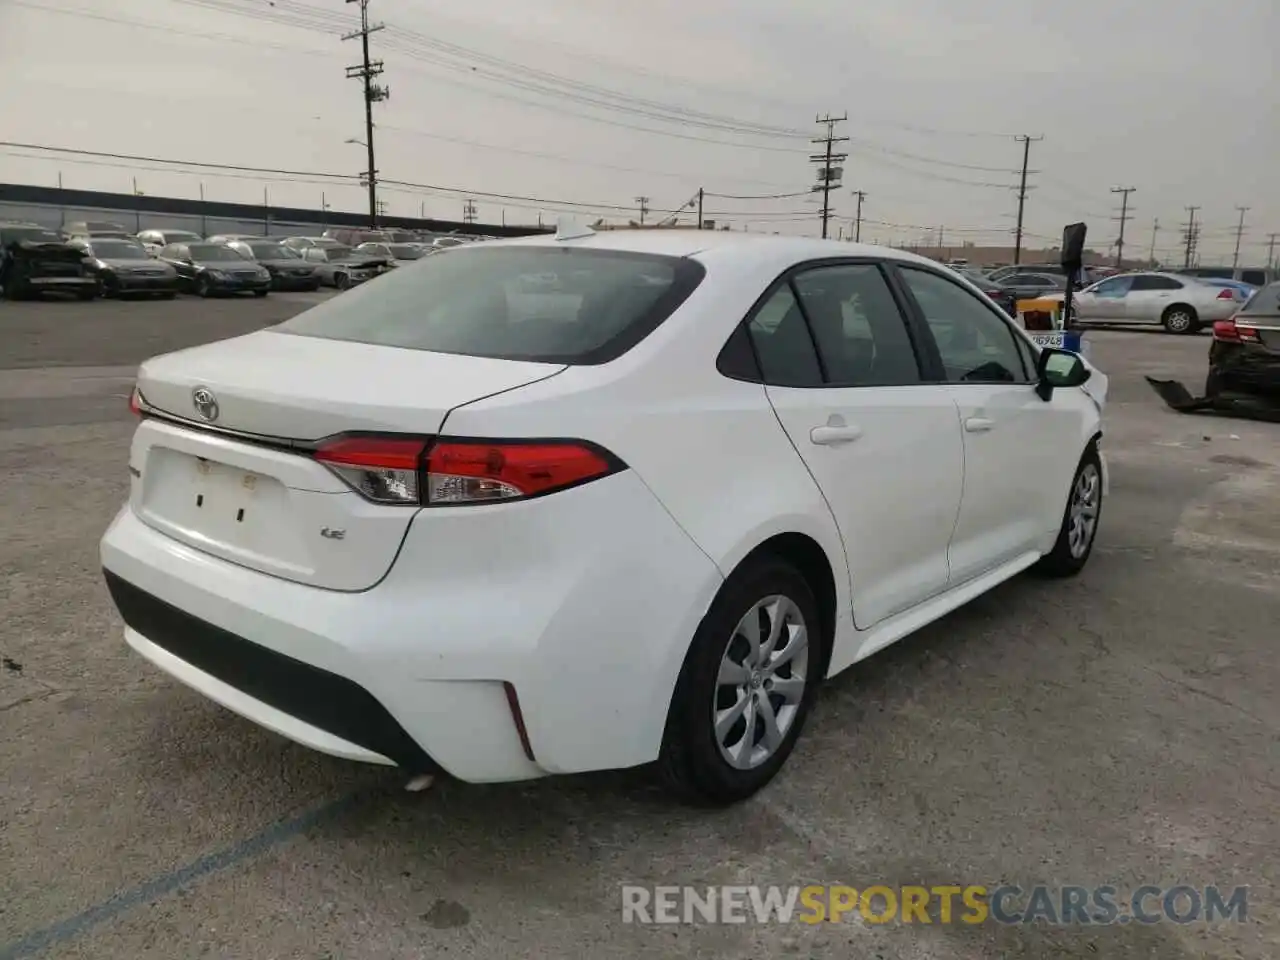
[[1120, 728]]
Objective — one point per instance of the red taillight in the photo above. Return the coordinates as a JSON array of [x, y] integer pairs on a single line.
[[478, 471], [421, 472], [382, 469], [1227, 294], [1226, 330], [135, 402]]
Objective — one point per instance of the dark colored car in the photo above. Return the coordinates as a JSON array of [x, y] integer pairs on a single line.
[[1002, 297], [1254, 276], [1028, 286], [1244, 357], [30, 268], [289, 271], [210, 269], [124, 267]]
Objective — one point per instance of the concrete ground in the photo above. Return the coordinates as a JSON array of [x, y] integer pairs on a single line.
[[1118, 728]]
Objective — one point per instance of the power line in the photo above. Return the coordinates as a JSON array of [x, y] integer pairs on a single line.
[[1125, 217], [366, 71], [1026, 141], [828, 173], [1235, 257]]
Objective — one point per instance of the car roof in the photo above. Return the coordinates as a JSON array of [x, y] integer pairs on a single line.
[[700, 243]]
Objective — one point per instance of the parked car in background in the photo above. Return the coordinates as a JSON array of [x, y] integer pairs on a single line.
[[352, 237], [1244, 357], [343, 267], [154, 240], [304, 243], [1180, 304], [288, 269], [418, 525], [93, 229], [1254, 276], [210, 269], [32, 265], [441, 243], [397, 253], [1029, 286], [1002, 297], [233, 237], [12, 231], [124, 267]]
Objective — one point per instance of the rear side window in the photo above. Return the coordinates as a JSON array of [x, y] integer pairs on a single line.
[[782, 342], [862, 336], [1265, 301], [548, 304], [1256, 278]]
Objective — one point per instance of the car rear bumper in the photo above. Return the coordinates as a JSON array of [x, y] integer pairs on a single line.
[[585, 608]]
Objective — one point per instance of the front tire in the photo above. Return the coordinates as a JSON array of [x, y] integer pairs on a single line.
[[1180, 319], [1079, 520], [203, 287], [342, 281], [746, 686]]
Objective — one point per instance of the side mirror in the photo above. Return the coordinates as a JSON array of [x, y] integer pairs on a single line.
[[1059, 368]]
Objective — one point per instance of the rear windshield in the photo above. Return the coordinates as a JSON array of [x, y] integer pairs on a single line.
[[1266, 300], [555, 305]]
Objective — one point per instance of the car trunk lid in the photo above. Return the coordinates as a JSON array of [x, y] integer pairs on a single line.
[[222, 460]]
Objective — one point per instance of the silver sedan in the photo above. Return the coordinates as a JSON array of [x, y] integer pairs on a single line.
[[1179, 304]]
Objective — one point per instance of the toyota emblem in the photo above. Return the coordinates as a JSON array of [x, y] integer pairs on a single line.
[[205, 402]]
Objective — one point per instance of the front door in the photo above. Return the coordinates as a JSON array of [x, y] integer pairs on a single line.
[[843, 376], [1017, 447]]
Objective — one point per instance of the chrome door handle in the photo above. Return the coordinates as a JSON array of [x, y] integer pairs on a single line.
[[833, 436], [978, 424]]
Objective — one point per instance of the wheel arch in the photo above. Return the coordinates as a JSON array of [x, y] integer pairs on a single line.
[[812, 562]]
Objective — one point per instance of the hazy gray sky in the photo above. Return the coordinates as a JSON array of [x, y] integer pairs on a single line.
[[591, 102]]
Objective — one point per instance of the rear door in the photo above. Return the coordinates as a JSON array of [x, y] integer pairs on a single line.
[[1019, 451], [1149, 297], [842, 374]]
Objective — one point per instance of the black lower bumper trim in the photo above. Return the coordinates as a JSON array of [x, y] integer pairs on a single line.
[[325, 700]]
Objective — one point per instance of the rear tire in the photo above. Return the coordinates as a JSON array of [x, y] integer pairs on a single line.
[[342, 281], [1180, 318], [725, 674], [1080, 519], [203, 287]]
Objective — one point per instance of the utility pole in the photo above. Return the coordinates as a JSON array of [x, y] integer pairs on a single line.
[[266, 213], [1235, 257], [324, 210], [857, 217], [700, 192], [644, 208], [204, 222], [469, 212], [137, 213], [828, 174], [1192, 234], [1271, 250], [1026, 140], [1123, 218], [1155, 230], [366, 71]]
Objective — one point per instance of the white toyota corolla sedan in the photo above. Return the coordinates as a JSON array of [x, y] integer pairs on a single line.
[[593, 501]]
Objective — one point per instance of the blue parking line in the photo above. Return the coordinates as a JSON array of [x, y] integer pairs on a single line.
[[167, 883]]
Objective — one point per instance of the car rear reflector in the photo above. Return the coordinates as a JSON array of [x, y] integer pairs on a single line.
[[419, 471]]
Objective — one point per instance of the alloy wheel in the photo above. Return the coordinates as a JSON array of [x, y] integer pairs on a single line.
[[1082, 517], [761, 682]]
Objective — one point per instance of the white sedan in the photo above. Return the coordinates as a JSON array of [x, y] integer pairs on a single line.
[[463, 520], [1179, 304]]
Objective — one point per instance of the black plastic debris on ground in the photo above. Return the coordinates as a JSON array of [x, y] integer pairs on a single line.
[[1179, 398]]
